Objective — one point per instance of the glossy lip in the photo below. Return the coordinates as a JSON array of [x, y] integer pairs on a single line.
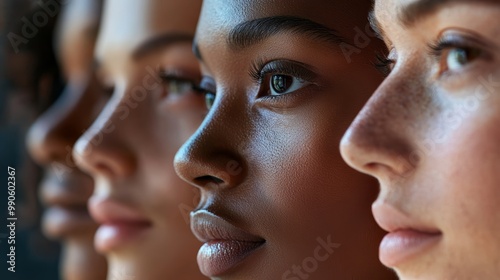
[[406, 239], [120, 224], [225, 245]]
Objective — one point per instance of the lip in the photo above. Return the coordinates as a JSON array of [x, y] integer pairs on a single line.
[[66, 212], [225, 245], [64, 222], [120, 226], [406, 239]]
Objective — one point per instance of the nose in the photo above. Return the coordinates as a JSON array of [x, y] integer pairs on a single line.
[[211, 159], [52, 136], [104, 149], [381, 140]]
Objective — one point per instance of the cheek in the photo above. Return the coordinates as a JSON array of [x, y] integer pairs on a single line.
[[470, 176], [184, 115], [303, 173]]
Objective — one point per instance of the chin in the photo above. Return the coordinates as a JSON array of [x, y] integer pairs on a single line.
[[80, 261]]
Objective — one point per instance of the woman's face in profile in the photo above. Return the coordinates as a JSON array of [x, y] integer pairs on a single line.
[[144, 56], [431, 135], [64, 189], [277, 200]]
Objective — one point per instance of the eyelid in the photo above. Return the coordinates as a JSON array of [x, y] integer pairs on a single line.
[[454, 39], [171, 73], [284, 67], [207, 84], [384, 63]]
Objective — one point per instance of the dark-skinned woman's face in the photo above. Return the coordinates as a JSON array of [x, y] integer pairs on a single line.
[[284, 79]]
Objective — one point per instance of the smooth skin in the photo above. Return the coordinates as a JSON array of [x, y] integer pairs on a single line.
[[144, 54], [430, 135], [270, 165], [65, 189]]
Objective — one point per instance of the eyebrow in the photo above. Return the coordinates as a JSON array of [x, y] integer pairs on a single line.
[[159, 42], [254, 31], [422, 8]]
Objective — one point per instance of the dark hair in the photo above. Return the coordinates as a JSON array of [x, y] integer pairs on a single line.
[[39, 48]]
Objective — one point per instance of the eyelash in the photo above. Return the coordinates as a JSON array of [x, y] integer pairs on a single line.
[[440, 49], [203, 88], [437, 49], [262, 68], [384, 64], [168, 77], [108, 91]]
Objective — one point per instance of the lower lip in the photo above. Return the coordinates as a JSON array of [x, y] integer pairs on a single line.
[[59, 222], [115, 235], [218, 257], [400, 246]]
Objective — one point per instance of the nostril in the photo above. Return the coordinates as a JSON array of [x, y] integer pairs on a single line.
[[208, 180]]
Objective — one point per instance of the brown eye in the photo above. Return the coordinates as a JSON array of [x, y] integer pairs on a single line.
[[283, 84]]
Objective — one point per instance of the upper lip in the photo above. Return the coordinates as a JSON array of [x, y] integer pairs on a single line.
[[108, 211], [391, 219], [209, 227]]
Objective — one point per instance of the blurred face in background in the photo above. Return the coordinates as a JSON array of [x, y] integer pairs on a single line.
[[65, 190], [277, 200], [430, 134], [144, 54]]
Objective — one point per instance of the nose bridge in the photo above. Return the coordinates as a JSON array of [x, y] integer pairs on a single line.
[[104, 147], [384, 132], [57, 129], [213, 151]]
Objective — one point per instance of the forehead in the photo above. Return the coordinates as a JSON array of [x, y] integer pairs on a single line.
[[127, 23], [219, 16], [409, 11]]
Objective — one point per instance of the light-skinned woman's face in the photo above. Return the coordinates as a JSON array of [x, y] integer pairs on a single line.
[[64, 189], [430, 135], [144, 53], [277, 200]]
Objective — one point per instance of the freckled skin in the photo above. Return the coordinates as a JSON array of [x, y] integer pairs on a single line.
[[53, 134], [293, 187], [130, 148], [430, 136]]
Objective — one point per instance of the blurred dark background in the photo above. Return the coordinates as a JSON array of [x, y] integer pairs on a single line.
[[29, 83]]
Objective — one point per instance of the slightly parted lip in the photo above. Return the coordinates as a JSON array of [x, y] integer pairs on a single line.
[[225, 245], [407, 237], [65, 200], [121, 225]]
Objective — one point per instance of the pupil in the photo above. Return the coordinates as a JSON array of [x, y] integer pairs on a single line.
[[281, 83]]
